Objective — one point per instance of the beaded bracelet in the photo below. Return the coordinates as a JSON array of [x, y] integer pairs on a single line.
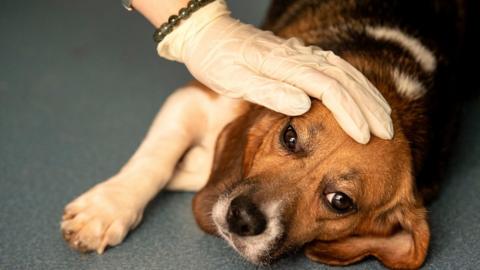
[[174, 20]]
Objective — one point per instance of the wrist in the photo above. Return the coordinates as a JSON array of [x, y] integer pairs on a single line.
[[158, 12]]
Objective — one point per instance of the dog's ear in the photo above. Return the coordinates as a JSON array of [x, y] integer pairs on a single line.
[[234, 145], [235, 148], [404, 248]]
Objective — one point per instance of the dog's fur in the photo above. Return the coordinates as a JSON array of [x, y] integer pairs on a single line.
[[230, 149]]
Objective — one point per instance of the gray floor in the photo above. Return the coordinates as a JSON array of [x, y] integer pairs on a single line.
[[79, 85]]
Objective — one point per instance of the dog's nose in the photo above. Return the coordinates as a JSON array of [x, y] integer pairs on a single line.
[[244, 218]]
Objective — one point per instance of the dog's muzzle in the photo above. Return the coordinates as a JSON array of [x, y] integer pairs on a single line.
[[253, 230]]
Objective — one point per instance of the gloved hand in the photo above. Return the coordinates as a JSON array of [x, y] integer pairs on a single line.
[[241, 61]]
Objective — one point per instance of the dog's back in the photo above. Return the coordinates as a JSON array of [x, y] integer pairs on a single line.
[[340, 25], [406, 48]]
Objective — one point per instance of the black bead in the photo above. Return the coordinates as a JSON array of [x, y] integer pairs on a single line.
[[162, 27], [166, 28], [192, 6], [173, 20], [157, 36], [183, 13], [200, 2]]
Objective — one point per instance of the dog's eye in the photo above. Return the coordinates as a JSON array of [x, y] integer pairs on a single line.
[[340, 202], [289, 138]]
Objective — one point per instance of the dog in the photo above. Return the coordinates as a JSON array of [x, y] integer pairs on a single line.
[[270, 184]]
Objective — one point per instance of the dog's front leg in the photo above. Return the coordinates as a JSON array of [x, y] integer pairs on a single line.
[[103, 215]]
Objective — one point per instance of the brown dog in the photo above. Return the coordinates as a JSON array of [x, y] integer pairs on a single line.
[[347, 201], [277, 183]]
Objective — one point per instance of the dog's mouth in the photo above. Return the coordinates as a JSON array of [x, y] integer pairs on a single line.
[[257, 247]]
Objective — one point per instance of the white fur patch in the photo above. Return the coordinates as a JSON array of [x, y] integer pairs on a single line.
[[408, 86], [252, 248], [421, 53]]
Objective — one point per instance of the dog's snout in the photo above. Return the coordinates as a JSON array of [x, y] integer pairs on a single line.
[[244, 218]]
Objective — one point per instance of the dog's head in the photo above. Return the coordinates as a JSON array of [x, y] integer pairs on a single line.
[[281, 182]]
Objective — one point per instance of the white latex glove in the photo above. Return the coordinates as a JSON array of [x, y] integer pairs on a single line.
[[241, 61]]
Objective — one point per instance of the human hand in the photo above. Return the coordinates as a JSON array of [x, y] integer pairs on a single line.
[[240, 61]]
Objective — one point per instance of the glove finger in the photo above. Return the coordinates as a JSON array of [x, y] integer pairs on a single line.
[[275, 95], [336, 98], [378, 118], [375, 109], [355, 75], [379, 122]]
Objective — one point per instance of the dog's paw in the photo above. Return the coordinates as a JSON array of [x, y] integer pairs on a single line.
[[101, 217]]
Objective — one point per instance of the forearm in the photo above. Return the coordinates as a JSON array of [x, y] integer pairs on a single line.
[[158, 11]]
